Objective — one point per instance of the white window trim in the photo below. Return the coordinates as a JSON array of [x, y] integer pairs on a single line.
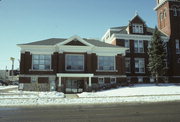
[[138, 46], [138, 67], [74, 55], [41, 69], [98, 70]]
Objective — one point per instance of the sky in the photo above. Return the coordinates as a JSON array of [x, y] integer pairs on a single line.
[[23, 21]]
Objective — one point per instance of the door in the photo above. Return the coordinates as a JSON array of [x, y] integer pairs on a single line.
[[74, 86]]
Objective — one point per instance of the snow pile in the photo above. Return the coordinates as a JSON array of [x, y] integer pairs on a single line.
[[137, 90], [29, 94], [8, 87]]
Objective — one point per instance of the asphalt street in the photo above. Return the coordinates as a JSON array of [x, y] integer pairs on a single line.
[[126, 112]]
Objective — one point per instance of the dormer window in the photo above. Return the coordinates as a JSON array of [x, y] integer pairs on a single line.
[[137, 28]]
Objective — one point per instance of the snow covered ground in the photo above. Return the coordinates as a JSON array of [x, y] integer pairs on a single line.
[[137, 93], [8, 87], [137, 90]]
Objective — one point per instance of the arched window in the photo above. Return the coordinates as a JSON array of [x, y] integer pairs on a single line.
[[161, 16], [165, 13]]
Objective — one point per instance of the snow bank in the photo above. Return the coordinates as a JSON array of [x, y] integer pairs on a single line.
[[137, 90]]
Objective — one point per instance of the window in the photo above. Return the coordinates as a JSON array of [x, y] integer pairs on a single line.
[[128, 65], [140, 79], [165, 14], [161, 16], [138, 46], [177, 47], [100, 81], [166, 63], [112, 80], [126, 44], [137, 28], [178, 61], [106, 63], [74, 62], [175, 11], [139, 65], [33, 79], [41, 62], [152, 79]]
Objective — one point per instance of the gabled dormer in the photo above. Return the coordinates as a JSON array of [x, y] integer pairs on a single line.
[[136, 26]]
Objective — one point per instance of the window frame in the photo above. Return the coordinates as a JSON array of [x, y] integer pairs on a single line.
[[127, 45], [98, 62], [101, 83], [66, 55], [139, 66], [41, 60], [128, 60], [114, 82], [137, 28], [138, 46], [177, 46]]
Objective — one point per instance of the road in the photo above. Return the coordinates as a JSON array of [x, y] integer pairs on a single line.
[[130, 112]]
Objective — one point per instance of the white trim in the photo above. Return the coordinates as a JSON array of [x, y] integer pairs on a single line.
[[73, 38], [133, 37], [74, 75]]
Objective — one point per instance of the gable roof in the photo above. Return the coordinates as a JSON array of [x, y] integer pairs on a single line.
[[56, 41]]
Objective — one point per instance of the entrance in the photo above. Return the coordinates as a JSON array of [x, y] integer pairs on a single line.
[[74, 86]]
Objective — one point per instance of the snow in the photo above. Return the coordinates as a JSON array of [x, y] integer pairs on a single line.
[[137, 90], [8, 87], [137, 93]]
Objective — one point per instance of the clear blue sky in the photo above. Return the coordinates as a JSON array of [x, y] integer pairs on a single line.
[[23, 21]]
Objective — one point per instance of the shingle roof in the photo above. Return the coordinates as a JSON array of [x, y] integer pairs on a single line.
[[54, 41], [122, 30], [51, 41]]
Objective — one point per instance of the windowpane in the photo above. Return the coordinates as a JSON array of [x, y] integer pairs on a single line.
[[74, 62], [106, 63], [139, 65], [41, 62]]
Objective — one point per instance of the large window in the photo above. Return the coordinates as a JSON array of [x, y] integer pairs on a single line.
[[41, 62], [138, 46], [106, 63], [128, 65], [139, 65], [74, 62], [177, 47], [137, 28]]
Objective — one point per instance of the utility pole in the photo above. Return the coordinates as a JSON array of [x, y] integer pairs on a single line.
[[12, 73]]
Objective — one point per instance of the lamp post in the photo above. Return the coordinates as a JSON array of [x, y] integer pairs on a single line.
[[12, 59]]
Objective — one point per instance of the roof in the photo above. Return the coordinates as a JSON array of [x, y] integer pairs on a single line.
[[122, 30], [54, 41]]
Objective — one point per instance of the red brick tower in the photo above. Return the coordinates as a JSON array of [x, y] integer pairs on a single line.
[[168, 14]]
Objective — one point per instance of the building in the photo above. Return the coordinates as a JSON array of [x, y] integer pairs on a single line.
[[168, 14], [70, 65], [136, 36], [6, 75]]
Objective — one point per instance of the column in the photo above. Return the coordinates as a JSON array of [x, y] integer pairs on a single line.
[[90, 82], [59, 85]]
